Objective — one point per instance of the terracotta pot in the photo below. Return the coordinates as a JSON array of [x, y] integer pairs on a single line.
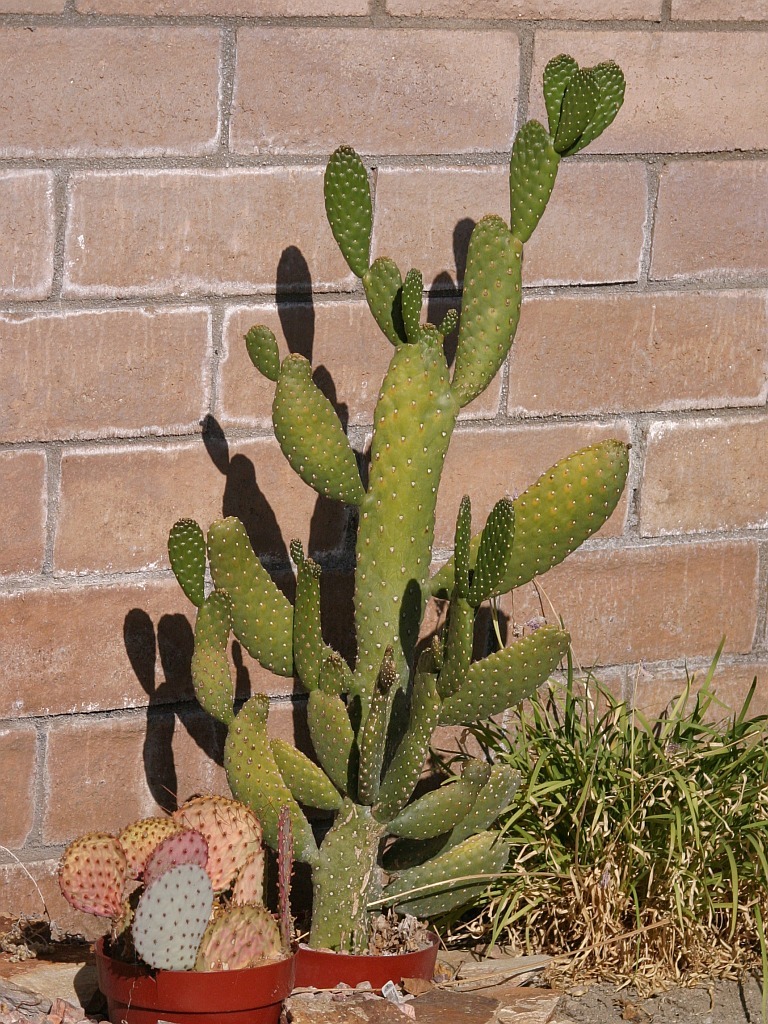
[[326, 970], [137, 995]]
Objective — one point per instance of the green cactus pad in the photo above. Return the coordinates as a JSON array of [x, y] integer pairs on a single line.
[[309, 651], [493, 552], [458, 645], [505, 678], [383, 286], [255, 779], [374, 734], [332, 736], [211, 675], [262, 616], [449, 322], [557, 75], [348, 207], [449, 880], [405, 767], [263, 351], [308, 783], [461, 547], [335, 674], [413, 289], [311, 436], [345, 874], [494, 797], [434, 813], [609, 80], [415, 416], [186, 550], [532, 172], [490, 306], [579, 107], [565, 506]]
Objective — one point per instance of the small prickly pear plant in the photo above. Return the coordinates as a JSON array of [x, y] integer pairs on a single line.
[[371, 724], [183, 893]]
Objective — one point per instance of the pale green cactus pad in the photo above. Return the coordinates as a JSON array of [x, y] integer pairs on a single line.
[[372, 720]]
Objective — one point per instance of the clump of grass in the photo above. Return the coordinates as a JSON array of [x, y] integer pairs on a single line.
[[640, 848]]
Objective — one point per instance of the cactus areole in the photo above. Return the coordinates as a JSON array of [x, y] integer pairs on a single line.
[[371, 724]]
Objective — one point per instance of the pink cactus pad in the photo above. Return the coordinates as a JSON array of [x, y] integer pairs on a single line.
[[231, 829], [185, 847], [239, 937], [140, 839], [92, 874], [249, 884]]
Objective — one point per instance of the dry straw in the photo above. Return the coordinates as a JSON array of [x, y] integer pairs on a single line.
[[639, 848]]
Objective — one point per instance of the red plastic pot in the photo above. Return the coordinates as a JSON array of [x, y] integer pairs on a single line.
[[322, 969], [136, 995]]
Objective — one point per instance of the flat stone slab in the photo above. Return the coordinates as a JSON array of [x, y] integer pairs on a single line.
[[496, 1004]]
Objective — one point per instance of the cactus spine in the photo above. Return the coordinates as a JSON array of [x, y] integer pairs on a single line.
[[371, 725]]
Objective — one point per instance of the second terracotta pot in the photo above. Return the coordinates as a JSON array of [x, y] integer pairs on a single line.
[[322, 969]]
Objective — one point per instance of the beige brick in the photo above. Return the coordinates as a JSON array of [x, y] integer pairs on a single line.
[[153, 763], [31, 6], [226, 8], [31, 889], [186, 232], [654, 688], [384, 91], [731, 239], [581, 10], [604, 353], [719, 10], [591, 233], [702, 475], [26, 234], [18, 756], [101, 648], [158, 85], [128, 499], [23, 505], [674, 103], [91, 761], [348, 351], [651, 603], [95, 374], [512, 459]]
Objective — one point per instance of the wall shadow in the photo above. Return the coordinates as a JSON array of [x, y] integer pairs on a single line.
[[169, 646], [160, 653]]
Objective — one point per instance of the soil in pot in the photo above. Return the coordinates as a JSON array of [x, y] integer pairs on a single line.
[[138, 995]]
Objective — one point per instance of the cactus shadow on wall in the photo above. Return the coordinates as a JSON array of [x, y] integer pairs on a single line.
[[167, 652], [445, 293]]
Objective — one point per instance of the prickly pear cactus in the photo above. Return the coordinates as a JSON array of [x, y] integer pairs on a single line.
[[193, 870], [371, 724]]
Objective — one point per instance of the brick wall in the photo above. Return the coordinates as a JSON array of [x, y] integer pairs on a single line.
[[161, 190]]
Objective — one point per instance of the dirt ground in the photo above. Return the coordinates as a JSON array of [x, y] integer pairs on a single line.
[[724, 1002]]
